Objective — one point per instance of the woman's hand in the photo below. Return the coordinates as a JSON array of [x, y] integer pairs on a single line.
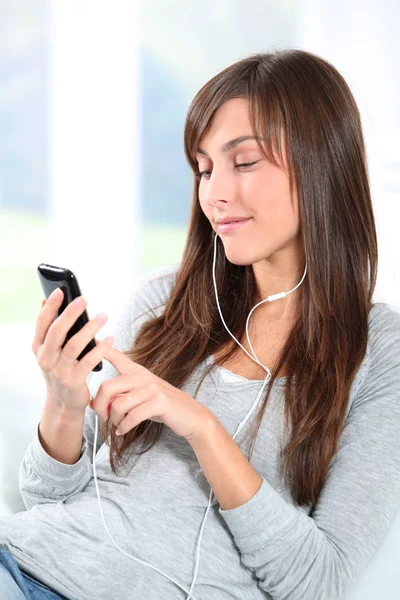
[[137, 394]]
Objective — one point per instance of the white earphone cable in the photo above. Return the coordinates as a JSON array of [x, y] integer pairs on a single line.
[[241, 425]]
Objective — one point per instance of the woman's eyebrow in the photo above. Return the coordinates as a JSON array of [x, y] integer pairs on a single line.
[[233, 143]]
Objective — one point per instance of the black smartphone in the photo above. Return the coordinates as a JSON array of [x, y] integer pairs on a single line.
[[52, 277]]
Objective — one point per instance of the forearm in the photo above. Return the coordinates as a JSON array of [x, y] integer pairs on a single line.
[[61, 433], [232, 478]]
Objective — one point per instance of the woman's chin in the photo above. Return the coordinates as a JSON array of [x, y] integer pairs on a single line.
[[241, 259]]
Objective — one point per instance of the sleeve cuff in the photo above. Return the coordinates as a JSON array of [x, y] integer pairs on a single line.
[[263, 512], [50, 468]]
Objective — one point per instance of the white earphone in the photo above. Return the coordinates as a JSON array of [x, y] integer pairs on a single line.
[[268, 299]]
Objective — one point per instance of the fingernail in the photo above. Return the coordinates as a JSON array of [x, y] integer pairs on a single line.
[[55, 293], [80, 301]]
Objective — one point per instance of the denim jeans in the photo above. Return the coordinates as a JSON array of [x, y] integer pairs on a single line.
[[17, 585]]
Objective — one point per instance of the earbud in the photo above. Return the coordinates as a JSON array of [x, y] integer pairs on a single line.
[[259, 395], [243, 422], [268, 299]]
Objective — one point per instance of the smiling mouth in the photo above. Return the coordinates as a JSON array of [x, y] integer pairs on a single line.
[[226, 227]]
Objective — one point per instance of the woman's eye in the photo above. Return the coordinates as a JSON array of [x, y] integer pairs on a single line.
[[201, 173]]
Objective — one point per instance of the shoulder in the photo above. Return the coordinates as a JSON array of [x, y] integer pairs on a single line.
[[380, 382], [147, 301], [161, 277], [151, 293], [155, 286], [384, 330]]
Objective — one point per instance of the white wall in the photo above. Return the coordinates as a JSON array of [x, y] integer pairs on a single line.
[[95, 216], [361, 39]]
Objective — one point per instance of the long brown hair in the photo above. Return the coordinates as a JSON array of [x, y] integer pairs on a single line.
[[304, 95]]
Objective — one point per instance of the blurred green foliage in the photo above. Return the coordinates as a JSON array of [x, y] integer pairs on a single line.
[[23, 244]]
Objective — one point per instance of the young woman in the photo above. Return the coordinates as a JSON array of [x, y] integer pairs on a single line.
[[261, 454]]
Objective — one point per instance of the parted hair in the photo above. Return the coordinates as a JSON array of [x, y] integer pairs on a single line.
[[306, 97]]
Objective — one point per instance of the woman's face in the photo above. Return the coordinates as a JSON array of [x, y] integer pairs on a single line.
[[259, 191]]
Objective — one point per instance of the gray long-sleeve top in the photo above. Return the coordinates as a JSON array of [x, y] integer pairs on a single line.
[[266, 548]]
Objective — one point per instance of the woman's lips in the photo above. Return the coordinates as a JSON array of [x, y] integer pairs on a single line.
[[224, 228]]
